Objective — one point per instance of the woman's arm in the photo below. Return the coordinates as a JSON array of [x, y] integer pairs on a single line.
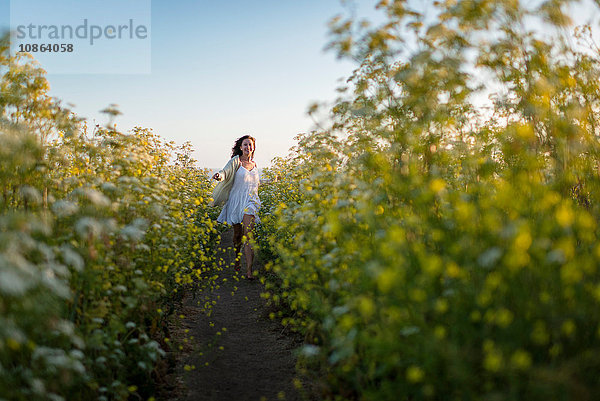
[[222, 174]]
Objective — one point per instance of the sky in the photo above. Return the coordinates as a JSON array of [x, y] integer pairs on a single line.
[[209, 72], [218, 70]]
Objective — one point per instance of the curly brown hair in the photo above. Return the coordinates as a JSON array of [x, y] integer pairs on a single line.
[[237, 151]]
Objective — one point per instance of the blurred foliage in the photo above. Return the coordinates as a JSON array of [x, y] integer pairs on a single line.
[[435, 245], [100, 233]]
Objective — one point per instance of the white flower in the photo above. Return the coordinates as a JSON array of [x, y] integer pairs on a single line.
[[95, 197], [88, 226], [63, 208], [11, 283], [31, 194], [71, 258]]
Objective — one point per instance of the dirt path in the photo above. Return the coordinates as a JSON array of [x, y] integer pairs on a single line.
[[237, 351]]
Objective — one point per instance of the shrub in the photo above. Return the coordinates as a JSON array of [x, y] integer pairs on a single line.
[[100, 232], [439, 250]]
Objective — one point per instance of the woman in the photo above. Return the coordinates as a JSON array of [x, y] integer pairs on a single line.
[[238, 191]]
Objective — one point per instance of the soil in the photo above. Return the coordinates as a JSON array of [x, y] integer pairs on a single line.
[[234, 351]]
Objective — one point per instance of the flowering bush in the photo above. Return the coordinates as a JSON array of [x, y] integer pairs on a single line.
[[100, 232], [435, 249]]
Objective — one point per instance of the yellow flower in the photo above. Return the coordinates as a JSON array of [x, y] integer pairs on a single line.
[[387, 279], [523, 240], [539, 334], [366, 306], [13, 344], [453, 270], [414, 374], [437, 185], [525, 131], [441, 305], [565, 215], [439, 332], [418, 295], [504, 317], [568, 328], [493, 361], [521, 359]]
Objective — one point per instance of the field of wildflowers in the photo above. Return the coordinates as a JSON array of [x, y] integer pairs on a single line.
[[430, 245], [100, 232], [430, 248]]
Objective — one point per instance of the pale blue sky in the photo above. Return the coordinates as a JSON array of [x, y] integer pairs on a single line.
[[220, 69]]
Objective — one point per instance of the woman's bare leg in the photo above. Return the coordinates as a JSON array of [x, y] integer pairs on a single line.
[[237, 244], [248, 225]]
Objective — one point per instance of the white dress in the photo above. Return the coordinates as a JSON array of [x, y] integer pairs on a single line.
[[243, 197]]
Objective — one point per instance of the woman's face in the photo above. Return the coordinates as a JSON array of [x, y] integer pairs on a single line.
[[247, 147]]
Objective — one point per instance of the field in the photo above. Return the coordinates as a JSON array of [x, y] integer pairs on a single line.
[[426, 247]]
